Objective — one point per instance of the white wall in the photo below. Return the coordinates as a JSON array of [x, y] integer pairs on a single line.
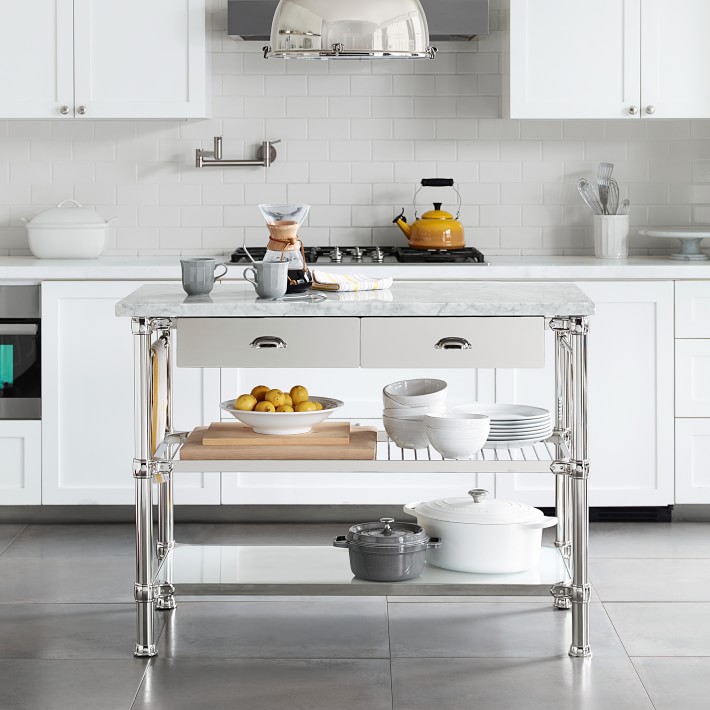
[[357, 137]]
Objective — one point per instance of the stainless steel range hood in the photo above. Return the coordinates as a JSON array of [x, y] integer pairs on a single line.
[[448, 20]]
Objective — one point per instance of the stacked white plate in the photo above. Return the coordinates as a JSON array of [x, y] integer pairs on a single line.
[[512, 425]]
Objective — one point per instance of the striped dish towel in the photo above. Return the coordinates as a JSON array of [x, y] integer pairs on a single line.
[[347, 282]]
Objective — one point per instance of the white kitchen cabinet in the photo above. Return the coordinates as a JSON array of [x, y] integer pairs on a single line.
[[96, 59], [692, 378], [692, 309], [692, 454], [87, 400], [21, 463], [608, 59], [630, 399]]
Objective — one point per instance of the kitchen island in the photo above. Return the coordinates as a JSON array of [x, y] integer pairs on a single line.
[[483, 323]]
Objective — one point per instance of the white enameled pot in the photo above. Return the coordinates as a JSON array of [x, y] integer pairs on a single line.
[[481, 534], [65, 232]]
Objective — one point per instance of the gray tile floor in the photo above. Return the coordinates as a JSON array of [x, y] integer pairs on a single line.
[[67, 633]]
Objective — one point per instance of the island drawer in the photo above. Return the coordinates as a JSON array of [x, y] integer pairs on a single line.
[[453, 342], [268, 342]]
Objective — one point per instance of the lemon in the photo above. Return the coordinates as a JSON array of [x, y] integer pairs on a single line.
[[306, 406], [245, 402], [319, 406], [299, 394], [264, 406], [284, 408], [276, 397], [288, 401], [259, 391]]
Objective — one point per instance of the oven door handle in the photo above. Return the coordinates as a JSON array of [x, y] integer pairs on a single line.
[[18, 329]]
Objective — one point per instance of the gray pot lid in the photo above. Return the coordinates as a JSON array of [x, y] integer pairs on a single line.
[[387, 533], [478, 508], [69, 214]]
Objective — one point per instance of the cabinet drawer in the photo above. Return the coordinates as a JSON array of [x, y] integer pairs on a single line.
[[692, 450], [268, 342], [437, 342], [692, 378], [692, 309]]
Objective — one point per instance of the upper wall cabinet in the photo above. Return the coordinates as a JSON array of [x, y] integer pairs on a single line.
[[96, 59], [608, 59]]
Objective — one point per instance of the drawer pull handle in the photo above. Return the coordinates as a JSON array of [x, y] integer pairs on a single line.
[[453, 343], [267, 341]]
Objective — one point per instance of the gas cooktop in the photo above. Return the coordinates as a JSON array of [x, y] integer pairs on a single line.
[[375, 255]]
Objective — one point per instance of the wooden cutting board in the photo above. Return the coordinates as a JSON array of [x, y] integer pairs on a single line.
[[362, 447], [238, 434]]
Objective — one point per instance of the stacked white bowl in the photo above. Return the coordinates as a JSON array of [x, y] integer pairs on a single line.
[[406, 403], [457, 435]]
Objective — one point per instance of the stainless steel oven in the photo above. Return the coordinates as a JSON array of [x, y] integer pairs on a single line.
[[20, 352]]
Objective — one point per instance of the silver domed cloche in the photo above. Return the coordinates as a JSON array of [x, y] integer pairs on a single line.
[[347, 29]]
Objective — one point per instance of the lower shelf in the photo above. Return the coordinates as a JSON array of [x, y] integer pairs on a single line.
[[315, 570]]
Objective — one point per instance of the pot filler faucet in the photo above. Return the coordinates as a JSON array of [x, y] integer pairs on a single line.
[[265, 155]]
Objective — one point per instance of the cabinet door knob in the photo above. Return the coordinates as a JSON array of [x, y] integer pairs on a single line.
[[81, 110], [633, 110], [267, 341], [64, 110], [650, 110], [453, 343]]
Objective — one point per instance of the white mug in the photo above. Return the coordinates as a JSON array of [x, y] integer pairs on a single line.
[[270, 278]]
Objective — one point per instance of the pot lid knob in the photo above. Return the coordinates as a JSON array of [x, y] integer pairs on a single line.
[[478, 494], [387, 529]]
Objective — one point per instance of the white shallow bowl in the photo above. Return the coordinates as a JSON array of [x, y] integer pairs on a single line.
[[406, 433], [458, 421], [284, 423], [414, 393], [457, 444], [413, 412]]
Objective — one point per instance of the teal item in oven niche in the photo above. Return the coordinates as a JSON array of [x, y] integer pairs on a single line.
[[7, 370]]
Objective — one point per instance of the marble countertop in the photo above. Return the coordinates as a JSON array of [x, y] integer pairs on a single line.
[[404, 299], [500, 268]]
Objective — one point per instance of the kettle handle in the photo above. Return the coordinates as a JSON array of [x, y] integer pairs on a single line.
[[438, 182]]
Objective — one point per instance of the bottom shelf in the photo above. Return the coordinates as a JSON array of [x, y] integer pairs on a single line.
[[315, 570]]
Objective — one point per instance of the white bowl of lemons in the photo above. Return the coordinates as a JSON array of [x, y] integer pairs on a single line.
[[276, 412]]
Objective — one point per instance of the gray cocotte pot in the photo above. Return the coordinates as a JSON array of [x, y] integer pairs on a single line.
[[386, 551]]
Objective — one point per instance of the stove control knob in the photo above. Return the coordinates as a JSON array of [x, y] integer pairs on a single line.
[[378, 256], [336, 255], [357, 254]]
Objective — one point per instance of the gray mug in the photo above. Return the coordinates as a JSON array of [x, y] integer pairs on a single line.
[[198, 275], [270, 278]]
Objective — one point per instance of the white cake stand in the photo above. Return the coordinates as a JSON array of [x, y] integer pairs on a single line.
[[690, 238]]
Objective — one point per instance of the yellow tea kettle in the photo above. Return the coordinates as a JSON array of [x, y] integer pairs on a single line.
[[437, 229]]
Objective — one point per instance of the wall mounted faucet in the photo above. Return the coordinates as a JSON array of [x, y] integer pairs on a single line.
[[265, 155]]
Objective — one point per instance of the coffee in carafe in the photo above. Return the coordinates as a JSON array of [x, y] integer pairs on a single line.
[[283, 222]]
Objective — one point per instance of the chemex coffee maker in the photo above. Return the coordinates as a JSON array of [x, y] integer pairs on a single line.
[[283, 222], [437, 228]]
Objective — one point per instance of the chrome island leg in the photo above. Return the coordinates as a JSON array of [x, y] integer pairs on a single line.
[[143, 475], [579, 474]]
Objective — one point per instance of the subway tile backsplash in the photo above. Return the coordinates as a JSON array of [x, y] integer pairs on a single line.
[[356, 139]]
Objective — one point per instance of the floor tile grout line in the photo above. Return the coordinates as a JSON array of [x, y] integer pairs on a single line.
[[142, 681], [613, 626], [17, 534], [643, 685], [389, 648]]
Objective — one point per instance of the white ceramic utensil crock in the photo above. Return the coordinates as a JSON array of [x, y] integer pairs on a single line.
[[481, 534], [65, 232]]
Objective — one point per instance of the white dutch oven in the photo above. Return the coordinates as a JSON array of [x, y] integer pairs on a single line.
[[481, 534], [64, 232]]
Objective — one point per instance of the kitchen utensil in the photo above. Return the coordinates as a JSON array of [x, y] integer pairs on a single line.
[[283, 222], [612, 201], [198, 275], [67, 231], [624, 207], [457, 435], [269, 278], [604, 172], [481, 534], [589, 195], [159, 392], [246, 251], [436, 229], [690, 240], [414, 393], [236, 434], [362, 447], [387, 551], [407, 433], [611, 236], [284, 422]]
